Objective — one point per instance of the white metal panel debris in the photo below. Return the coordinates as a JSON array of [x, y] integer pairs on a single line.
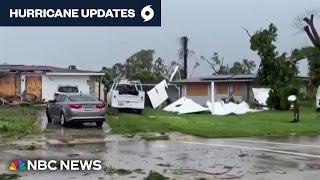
[[185, 106], [221, 108], [158, 94], [261, 95]]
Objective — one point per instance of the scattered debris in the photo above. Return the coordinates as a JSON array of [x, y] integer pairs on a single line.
[[96, 151], [139, 171], [129, 135], [221, 108], [259, 172], [164, 165], [261, 95], [85, 174], [159, 158], [109, 170], [185, 106], [229, 176], [28, 147], [154, 136], [281, 172], [155, 176], [243, 155], [227, 167], [121, 172], [205, 172], [73, 155], [158, 94]]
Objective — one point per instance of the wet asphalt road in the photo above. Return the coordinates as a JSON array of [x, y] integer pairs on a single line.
[[181, 157]]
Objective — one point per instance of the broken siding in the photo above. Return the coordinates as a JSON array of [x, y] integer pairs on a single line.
[[7, 85], [34, 86]]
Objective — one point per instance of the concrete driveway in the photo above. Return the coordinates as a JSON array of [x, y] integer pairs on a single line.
[[181, 157]]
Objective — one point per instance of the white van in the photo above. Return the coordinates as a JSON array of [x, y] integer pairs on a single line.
[[126, 94]]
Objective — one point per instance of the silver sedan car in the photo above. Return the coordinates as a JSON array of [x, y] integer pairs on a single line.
[[67, 108]]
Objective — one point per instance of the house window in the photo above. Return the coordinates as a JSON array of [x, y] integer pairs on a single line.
[[197, 89], [221, 88]]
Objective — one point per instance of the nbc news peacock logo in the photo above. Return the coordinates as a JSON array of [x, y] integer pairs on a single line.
[[53, 165], [18, 165]]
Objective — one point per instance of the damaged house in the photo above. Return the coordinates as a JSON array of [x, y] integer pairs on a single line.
[[218, 87], [43, 81]]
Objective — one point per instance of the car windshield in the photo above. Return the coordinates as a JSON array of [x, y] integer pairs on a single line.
[[68, 89], [81, 98]]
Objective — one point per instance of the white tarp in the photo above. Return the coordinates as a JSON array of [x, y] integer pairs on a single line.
[[261, 95], [158, 94], [221, 108], [185, 106]]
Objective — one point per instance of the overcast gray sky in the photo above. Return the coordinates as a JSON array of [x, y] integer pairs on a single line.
[[211, 25]]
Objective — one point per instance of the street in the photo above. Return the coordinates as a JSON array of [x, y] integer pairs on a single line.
[[181, 157]]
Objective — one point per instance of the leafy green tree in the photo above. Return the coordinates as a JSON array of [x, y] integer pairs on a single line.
[[313, 56], [139, 65], [159, 68], [216, 63], [275, 71], [244, 67]]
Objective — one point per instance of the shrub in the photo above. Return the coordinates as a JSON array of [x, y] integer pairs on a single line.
[[278, 99]]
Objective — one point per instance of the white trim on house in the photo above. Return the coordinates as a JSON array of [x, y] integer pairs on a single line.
[[74, 74]]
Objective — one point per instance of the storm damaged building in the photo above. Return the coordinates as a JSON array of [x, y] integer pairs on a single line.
[[41, 82]]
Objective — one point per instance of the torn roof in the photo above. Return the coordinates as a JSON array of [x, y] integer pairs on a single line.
[[33, 68], [220, 78], [226, 78]]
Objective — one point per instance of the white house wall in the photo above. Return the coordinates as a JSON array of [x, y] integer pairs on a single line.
[[50, 84]]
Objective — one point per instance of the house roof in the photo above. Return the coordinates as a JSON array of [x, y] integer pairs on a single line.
[[229, 76], [44, 69], [220, 78], [226, 78]]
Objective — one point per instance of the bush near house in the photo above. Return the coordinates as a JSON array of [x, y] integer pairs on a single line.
[[18, 121], [266, 123]]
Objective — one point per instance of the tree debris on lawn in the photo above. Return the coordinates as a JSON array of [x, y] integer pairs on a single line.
[[110, 170], [154, 136], [9, 176]]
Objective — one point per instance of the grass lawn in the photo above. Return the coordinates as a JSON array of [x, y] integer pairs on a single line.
[[18, 121], [264, 123]]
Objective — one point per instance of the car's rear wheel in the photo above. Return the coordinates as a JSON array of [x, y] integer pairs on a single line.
[[99, 123], [63, 120]]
